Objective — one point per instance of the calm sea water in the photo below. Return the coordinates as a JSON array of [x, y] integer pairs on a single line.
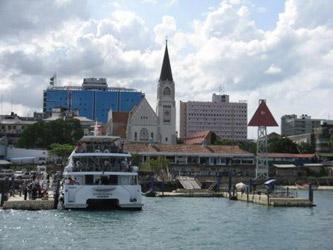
[[174, 223]]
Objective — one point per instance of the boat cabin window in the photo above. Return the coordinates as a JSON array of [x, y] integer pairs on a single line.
[[124, 180], [113, 179], [89, 179]]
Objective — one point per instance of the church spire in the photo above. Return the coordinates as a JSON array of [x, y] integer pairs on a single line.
[[166, 73]]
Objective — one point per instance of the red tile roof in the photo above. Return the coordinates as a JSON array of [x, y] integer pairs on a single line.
[[197, 138], [263, 117], [182, 148]]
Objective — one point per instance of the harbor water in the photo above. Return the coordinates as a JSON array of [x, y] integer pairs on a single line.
[[175, 223]]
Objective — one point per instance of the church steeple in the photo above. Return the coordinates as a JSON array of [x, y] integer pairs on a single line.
[[166, 73]]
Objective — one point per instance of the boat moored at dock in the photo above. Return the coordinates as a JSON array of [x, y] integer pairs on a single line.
[[99, 175]]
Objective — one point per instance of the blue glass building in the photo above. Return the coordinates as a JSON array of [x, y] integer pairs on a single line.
[[93, 100]]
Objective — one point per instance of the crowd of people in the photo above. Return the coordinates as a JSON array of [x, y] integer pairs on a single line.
[[35, 187], [100, 147]]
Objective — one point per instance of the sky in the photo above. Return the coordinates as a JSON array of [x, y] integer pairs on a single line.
[[276, 50]]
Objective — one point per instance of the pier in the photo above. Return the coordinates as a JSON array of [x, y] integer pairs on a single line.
[[264, 199], [18, 202]]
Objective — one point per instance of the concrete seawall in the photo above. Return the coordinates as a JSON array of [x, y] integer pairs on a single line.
[[29, 205]]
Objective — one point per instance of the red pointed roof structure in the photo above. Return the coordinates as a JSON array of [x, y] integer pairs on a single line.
[[263, 117]]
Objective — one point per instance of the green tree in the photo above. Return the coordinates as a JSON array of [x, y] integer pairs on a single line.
[[249, 146], [180, 141], [43, 134], [61, 150], [305, 148], [159, 166], [282, 145], [330, 142], [136, 160]]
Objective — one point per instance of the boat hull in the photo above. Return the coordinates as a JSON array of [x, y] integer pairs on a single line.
[[102, 197]]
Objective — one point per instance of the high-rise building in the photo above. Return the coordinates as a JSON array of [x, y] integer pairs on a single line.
[[293, 125], [227, 119], [93, 99]]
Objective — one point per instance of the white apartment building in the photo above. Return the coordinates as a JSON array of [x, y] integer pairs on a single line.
[[227, 119]]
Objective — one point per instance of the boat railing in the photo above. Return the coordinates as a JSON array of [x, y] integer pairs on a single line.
[[101, 169], [97, 148]]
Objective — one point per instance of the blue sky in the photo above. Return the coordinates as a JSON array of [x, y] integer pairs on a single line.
[[281, 51]]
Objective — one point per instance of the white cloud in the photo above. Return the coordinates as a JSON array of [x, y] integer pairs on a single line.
[[289, 66], [273, 70], [165, 29]]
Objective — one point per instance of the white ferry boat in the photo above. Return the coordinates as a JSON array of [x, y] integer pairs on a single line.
[[98, 175]]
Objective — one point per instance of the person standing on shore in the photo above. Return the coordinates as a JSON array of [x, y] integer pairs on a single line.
[[25, 190]]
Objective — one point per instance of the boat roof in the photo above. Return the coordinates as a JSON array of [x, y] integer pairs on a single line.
[[99, 138]]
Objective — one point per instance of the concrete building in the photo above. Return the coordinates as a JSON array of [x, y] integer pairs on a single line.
[[227, 119], [12, 126], [23, 156], [303, 138], [93, 99], [293, 125], [63, 113], [323, 133], [197, 160]]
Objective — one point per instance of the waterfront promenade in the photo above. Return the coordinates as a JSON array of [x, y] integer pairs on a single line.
[[18, 202]]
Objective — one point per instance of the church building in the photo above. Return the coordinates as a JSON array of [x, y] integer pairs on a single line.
[[144, 124]]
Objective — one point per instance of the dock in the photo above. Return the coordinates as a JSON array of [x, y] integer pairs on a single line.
[[264, 199], [18, 202], [261, 199], [190, 193]]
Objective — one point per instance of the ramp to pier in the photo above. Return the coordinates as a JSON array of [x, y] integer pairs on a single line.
[[189, 183]]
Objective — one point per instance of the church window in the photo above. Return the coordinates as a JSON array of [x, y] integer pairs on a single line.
[[144, 134], [166, 91], [166, 139], [152, 135], [135, 136]]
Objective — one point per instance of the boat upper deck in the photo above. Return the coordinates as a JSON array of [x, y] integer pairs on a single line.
[[99, 144]]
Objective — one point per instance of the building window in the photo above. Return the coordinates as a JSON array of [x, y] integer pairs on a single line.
[[152, 135], [166, 91], [144, 134], [166, 139], [135, 136]]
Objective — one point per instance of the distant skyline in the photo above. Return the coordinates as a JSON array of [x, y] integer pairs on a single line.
[[277, 50]]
